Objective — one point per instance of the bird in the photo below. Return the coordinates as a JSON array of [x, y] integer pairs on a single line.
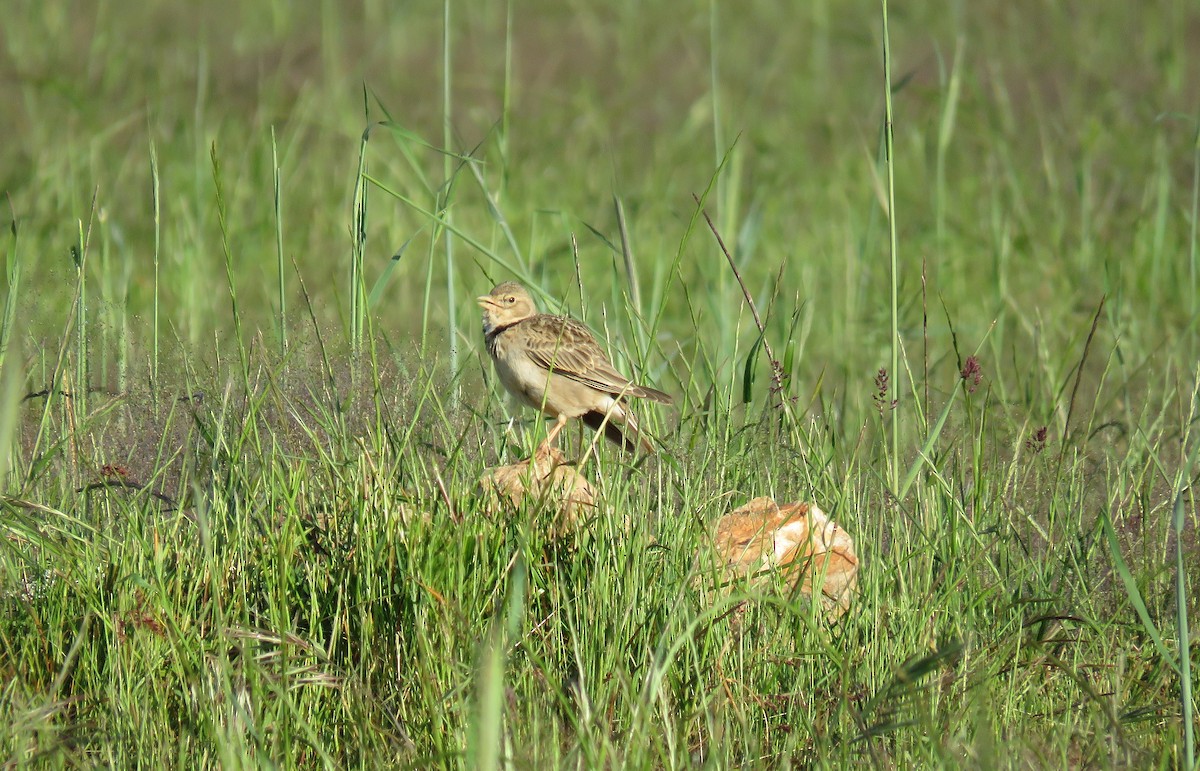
[[554, 364]]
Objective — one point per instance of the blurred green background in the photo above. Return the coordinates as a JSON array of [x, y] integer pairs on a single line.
[[1044, 158]]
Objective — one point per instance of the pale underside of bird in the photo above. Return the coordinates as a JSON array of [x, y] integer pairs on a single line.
[[554, 364]]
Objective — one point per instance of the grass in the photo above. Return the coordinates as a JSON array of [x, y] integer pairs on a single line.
[[243, 403]]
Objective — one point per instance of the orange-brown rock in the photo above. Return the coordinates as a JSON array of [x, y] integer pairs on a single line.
[[543, 479], [798, 541]]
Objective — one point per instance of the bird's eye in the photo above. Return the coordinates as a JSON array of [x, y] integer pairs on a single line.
[[510, 299]]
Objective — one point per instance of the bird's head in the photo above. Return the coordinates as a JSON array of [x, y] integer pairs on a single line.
[[507, 304]]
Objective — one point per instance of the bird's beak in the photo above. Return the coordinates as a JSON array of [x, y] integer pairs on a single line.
[[485, 301]]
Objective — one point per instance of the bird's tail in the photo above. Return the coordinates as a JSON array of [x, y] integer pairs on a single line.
[[653, 394], [621, 429]]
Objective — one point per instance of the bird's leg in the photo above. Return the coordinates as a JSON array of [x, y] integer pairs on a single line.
[[547, 444]]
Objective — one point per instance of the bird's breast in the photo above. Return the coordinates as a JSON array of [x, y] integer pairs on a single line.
[[517, 372]]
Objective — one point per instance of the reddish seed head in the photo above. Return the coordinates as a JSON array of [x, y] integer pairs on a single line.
[[972, 374], [881, 391]]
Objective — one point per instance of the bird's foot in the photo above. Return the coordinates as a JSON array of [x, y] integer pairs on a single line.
[[546, 452]]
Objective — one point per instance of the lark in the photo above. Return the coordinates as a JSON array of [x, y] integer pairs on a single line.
[[554, 364]]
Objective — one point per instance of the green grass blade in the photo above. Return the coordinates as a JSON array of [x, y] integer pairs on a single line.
[[1178, 521], [381, 283], [927, 448], [1134, 594]]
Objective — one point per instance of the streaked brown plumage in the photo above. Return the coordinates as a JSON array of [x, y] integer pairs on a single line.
[[554, 364]]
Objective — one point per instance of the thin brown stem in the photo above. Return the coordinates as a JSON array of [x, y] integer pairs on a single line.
[[1087, 346], [776, 366]]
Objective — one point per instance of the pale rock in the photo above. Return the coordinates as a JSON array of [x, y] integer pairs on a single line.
[[797, 540], [545, 479]]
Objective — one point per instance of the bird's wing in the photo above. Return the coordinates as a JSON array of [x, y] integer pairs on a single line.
[[567, 348]]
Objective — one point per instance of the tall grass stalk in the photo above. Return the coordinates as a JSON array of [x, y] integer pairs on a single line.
[[358, 239], [278, 200], [448, 172], [12, 377], [723, 157], [1192, 244], [889, 145], [506, 98], [12, 380], [720, 152], [227, 251], [631, 278], [156, 212], [1178, 521], [487, 729], [12, 293], [1185, 492], [79, 255]]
